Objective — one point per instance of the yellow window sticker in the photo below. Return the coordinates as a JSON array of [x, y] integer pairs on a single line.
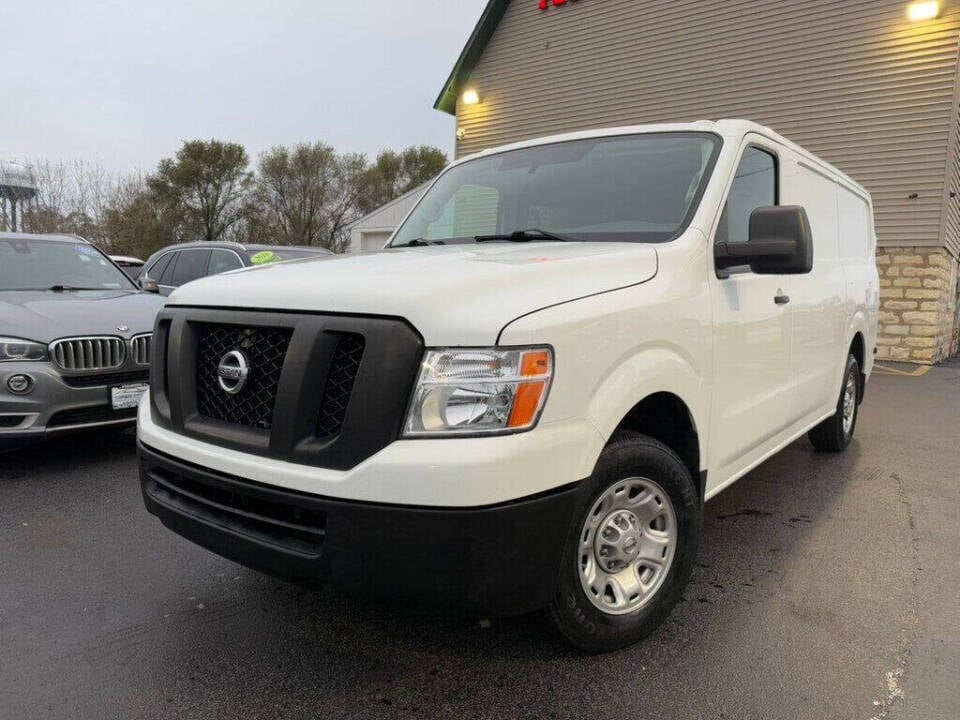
[[265, 258]]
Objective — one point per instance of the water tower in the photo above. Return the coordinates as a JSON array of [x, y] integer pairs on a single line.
[[17, 192]]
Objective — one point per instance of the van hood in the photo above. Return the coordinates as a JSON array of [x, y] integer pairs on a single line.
[[44, 316], [454, 295]]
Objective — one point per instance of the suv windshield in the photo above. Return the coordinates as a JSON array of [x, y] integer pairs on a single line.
[[32, 264], [631, 188]]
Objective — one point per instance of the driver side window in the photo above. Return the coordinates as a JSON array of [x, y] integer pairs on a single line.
[[754, 186]]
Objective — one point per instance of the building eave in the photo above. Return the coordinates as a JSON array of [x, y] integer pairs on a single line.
[[472, 51]]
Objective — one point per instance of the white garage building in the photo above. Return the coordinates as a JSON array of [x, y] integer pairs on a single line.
[[372, 231]]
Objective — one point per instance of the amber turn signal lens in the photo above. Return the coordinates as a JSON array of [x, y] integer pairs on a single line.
[[529, 396]]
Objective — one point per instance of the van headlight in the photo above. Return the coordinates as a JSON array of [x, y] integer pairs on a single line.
[[17, 349], [479, 391]]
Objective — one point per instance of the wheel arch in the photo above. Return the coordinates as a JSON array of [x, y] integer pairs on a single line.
[[659, 384], [664, 416], [858, 348]]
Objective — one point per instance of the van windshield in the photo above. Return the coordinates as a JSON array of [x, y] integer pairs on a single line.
[[631, 188]]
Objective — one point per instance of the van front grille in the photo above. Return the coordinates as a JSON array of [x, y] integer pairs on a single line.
[[266, 349], [89, 353], [312, 389], [339, 386]]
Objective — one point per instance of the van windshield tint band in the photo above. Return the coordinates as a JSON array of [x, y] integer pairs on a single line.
[[628, 188]]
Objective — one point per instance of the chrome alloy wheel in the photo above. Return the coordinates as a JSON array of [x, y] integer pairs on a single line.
[[627, 545], [849, 403]]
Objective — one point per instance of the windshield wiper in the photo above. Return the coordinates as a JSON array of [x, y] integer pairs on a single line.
[[71, 288], [527, 235], [420, 242]]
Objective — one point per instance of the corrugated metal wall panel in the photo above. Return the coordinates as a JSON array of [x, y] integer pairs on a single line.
[[950, 231], [851, 81]]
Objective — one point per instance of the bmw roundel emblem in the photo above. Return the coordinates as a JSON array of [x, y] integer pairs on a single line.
[[123, 328]]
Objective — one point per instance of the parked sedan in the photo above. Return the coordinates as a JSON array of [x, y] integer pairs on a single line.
[[75, 338], [130, 265], [176, 265]]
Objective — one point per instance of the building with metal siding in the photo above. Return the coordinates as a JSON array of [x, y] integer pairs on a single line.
[[856, 82]]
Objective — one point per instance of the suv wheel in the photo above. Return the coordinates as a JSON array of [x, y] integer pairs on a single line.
[[631, 547], [836, 432]]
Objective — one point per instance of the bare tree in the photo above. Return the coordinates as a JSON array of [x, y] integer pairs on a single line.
[[136, 221], [306, 195]]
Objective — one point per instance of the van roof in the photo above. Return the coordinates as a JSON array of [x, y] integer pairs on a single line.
[[729, 129]]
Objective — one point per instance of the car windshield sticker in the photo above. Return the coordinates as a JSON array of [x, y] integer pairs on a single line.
[[87, 250], [265, 258]]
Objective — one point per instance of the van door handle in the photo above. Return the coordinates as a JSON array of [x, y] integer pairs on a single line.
[[781, 299]]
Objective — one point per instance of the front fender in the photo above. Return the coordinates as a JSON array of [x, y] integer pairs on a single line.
[[649, 370]]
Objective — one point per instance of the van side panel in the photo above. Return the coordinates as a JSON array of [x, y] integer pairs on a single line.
[[816, 299], [857, 250]]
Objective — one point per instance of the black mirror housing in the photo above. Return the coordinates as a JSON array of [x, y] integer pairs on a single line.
[[784, 224], [780, 243]]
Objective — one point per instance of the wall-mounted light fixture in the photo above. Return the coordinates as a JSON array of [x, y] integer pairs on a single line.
[[471, 97], [925, 10]]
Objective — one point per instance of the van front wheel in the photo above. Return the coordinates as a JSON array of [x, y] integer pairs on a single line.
[[631, 546], [836, 432]]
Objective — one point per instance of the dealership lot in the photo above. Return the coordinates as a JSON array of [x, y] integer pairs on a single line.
[[826, 588]]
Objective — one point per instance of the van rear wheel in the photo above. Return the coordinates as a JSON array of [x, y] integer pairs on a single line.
[[631, 546], [836, 432]]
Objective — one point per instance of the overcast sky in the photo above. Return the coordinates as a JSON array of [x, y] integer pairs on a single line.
[[123, 82]]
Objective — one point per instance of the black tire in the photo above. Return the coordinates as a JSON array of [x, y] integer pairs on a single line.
[[581, 623], [830, 435]]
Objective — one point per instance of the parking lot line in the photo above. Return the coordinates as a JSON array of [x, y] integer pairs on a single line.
[[919, 371]]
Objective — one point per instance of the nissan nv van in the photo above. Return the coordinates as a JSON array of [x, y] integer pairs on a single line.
[[524, 401]]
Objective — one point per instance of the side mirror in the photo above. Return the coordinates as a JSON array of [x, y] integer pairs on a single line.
[[149, 285], [780, 243]]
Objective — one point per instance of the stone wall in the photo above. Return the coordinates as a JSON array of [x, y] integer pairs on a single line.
[[918, 304]]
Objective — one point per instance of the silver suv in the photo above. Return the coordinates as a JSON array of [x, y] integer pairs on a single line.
[[74, 338]]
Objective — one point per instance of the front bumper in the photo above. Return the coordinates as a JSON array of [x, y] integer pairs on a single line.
[[441, 472], [54, 406], [496, 560]]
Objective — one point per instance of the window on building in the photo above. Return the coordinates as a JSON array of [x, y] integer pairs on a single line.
[[754, 186]]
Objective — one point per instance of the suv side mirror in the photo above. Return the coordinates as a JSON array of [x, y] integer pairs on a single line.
[[780, 243], [148, 284]]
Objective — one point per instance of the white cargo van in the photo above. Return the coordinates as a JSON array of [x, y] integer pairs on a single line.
[[524, 401]]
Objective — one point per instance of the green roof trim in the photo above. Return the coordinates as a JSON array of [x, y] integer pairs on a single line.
[[486, 26]]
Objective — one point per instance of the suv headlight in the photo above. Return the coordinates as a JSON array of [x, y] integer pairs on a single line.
[[17, 349], [479, 391]]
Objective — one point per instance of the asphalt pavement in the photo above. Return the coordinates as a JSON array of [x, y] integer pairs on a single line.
[[827, 587]]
